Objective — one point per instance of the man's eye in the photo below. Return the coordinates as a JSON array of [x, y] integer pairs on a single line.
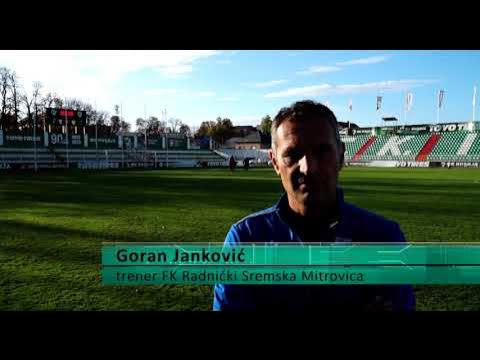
[[321, 150], [290, 158], [291, 155]]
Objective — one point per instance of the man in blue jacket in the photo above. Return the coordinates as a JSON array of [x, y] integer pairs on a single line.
[[307, 154]]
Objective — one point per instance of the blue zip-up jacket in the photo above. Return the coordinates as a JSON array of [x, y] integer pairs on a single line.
[[271, 226]]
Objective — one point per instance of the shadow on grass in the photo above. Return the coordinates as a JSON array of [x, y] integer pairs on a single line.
[[142, 190], [81, 290], [54, 243]]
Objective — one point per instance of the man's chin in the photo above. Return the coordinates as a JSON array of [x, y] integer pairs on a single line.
[[309, 198], [312, 199]]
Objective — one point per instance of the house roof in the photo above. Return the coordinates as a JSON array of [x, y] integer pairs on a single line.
[[254, 137]]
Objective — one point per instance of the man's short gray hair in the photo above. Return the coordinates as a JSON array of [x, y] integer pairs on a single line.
[[305, 110]]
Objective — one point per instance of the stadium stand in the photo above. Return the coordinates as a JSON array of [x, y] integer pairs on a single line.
[[458, 146], [116, 158], [353, 144], [428, 147], [458, 142], [259, 155], [395, 147]]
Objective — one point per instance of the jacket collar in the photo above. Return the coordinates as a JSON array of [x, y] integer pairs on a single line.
[[282, 206]]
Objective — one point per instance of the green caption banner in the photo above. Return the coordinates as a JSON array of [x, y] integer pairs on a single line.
[[299, 264]]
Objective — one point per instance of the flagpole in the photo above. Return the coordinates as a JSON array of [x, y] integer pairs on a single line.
[[379, 110], [35, 141], [66, 131], [473, 114], [166, 135], [146, 125], [438, 108], [474, 102], [96, 132], [121, 134]]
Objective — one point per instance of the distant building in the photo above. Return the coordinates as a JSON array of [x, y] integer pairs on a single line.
[[249, 142], [242, 131], [347, 125]]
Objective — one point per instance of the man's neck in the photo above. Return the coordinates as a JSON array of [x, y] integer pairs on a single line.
[[312, 215]]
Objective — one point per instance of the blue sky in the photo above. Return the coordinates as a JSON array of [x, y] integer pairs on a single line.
[[244, 86]]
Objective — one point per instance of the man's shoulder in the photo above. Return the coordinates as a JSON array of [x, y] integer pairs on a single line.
[[370, 223], [360, 214], [260, 226], [259, 216]]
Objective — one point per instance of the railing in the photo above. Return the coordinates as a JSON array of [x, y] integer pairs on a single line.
[[85, 158]]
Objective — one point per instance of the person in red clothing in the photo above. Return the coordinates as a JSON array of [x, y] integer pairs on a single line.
[[232, 164]]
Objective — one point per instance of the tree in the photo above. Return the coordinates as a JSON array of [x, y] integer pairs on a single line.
[[185, 130], [100, 117], [220, 131], [124, 126], [115, 124], [153, 126], [266, 125], [4, 88], [142, 125], [58, 102], [48, 99], [118, 124], [205, 129], [27, 101], [37, 87], [174, 124], [14, 86]]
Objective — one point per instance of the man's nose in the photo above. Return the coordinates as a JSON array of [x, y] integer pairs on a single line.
[[307, 164]]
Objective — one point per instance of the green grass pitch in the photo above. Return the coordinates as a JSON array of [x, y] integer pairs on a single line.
[[52, 226]]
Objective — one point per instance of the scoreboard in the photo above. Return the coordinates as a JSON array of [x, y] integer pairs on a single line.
[[63, 116]]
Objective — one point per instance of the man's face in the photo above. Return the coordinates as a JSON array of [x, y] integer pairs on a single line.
[[308, 161]]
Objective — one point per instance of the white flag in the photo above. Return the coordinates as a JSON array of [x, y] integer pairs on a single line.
[[441, 94], [474, 102], [379, 102], [408, 101]]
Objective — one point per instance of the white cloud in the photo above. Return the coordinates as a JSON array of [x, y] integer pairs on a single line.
[[175, 69], [365, 61], [224, 61], [264, 84], [328, 89], [160, 91], [319, 69], [205, 93], [269, 83], [228, 98], [300, 91], [91, 74]]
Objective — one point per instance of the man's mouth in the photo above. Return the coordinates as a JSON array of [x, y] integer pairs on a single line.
[[302, 181], [303, 186]]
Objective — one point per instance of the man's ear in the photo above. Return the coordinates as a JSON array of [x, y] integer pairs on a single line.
[[273, 158], [341, 156]]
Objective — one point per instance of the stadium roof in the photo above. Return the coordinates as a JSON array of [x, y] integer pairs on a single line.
[[389, 118]]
